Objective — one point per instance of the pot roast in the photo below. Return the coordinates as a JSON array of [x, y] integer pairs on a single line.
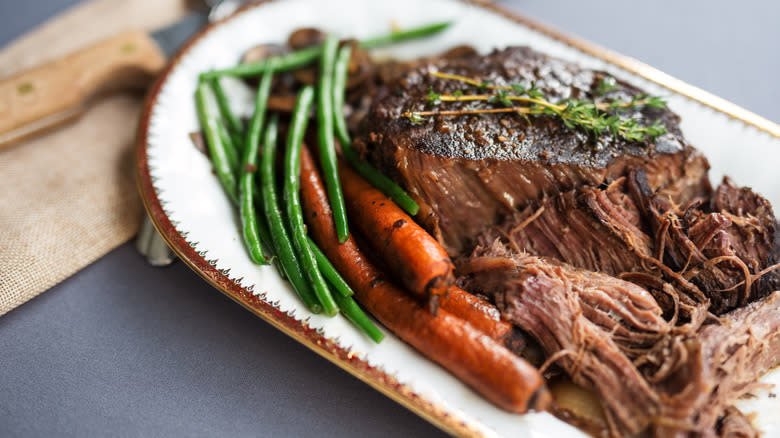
[[468, 172], [635, 277]]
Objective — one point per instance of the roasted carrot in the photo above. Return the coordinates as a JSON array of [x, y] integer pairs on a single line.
[[408, 250], [414, 255], [500, 376], [477, 312]]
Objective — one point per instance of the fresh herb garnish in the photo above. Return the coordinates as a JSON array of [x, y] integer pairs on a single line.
[[416, 118], [433, 98], [518, 88], [606, 85], [501, 96], [591, 116]]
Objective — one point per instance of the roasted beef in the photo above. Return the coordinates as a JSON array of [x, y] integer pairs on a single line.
[[468, 171], [719, 250], [635, 278], [574, 327], [651, 373], [591, 228]]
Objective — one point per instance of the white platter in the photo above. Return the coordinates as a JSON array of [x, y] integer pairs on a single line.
[[188, 206]]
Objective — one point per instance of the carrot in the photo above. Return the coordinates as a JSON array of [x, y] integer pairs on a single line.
[[500, 376], [407, 249], [414, 255], [477, 312]]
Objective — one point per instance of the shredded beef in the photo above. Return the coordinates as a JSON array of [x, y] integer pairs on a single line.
[[718, 251], [670, 377], [573, 314], [637, 279], [735, 424]]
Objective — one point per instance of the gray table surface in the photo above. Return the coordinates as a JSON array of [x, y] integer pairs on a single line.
[[123, 349]]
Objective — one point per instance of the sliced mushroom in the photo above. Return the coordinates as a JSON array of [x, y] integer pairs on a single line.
[[259, 53], [263, 51], [305, 37], [361, 67]]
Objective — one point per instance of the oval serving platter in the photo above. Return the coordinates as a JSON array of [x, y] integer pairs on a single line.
[[191, 212]]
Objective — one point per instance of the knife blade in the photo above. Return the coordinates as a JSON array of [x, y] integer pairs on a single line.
[[170, 38], [49, 95]]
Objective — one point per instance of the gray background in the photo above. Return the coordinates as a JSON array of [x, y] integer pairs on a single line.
[[123, 349]]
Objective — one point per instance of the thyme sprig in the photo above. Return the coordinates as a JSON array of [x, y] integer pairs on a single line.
[[598, 117], [506, 99], [606, 85]]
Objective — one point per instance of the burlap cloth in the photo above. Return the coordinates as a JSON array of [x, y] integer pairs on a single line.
[[69, 197]]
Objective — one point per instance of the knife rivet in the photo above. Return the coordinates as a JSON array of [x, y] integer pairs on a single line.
[[127, 48], [25, 88]]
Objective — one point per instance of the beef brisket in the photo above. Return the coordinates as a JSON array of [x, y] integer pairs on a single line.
[[467, 172], [609, 336]]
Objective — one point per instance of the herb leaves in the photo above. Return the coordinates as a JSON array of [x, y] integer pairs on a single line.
[[599, 117]]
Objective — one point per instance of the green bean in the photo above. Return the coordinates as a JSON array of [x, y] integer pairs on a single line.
[[280, 238], [292, 185], [234, 124], [290, 61], [304, 57], [238, 142], [207, 113], [231, 150], [382, 182], [376, 178], [249, 225], [328, 160], [329, 271], [404, 35], [340, 74], [265, 233], [354, 313]]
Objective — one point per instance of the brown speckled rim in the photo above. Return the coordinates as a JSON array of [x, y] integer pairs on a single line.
[[299, 330]]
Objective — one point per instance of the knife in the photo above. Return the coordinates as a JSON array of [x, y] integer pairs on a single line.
[[51, 94], [46, 96]]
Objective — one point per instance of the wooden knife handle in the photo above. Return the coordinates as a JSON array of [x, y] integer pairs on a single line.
[[45, 96]]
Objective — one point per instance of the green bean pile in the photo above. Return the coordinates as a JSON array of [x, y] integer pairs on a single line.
[[274, 230]]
